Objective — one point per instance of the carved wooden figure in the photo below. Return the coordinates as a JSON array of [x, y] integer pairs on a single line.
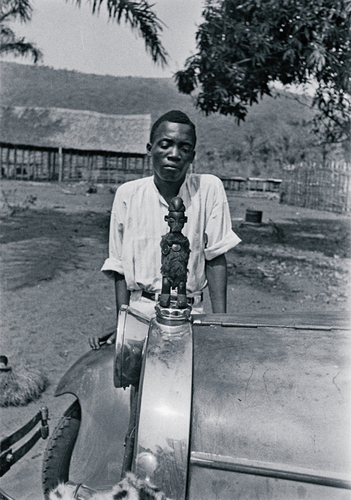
[[175, 255]]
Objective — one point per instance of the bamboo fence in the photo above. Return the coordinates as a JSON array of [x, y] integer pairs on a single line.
[[311, 185]]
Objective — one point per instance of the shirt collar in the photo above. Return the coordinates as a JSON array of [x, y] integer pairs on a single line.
[[182, 190]]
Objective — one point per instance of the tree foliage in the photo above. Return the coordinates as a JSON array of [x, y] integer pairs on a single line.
[[140, 17], [13, 10], [245, 46]]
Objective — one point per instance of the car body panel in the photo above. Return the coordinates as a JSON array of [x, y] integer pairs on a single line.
[[275, 394]]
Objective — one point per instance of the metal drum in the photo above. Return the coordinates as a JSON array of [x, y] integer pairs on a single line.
[[270, 410]]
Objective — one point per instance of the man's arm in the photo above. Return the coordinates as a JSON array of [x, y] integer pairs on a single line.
[[216, 273], [122, 293], [122, 297]]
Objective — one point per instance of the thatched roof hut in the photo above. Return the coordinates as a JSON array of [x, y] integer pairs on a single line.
[[72, 129]]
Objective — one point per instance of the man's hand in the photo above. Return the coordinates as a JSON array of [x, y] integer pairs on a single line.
[[112, 339], [109, 338]]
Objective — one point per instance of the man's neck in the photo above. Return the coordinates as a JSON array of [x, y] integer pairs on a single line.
[[168, 189]]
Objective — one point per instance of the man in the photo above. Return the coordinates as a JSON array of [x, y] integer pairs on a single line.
[[138, 222]]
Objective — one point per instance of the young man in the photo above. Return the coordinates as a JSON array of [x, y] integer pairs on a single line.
[[138, 222]]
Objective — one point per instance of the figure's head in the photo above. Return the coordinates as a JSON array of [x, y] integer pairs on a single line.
[[172, 146], [176, 215]]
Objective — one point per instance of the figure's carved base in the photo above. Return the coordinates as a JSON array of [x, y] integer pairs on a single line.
[[165, 296], [165, 299], [182, 301]]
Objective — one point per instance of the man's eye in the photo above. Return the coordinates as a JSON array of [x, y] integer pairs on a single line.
[[186, 149], [164, 144]]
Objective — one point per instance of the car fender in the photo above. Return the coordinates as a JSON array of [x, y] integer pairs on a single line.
[[105, 412]]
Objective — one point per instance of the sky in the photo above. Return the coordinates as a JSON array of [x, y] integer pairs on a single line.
[[72, 38]]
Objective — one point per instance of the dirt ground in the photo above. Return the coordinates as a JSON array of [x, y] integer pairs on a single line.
[[54, 239]]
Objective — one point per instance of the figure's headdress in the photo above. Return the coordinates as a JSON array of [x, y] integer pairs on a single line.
[[176, 205]]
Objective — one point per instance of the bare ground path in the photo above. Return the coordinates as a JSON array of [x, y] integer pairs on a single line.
[[53, 296]]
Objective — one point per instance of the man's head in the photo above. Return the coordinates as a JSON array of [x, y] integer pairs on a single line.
[[172, 147], [173, 116]]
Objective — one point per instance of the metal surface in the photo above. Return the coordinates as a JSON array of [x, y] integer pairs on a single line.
[[266, 403], [270, 394], [97, 458], [162, 441], [131, 333], [5, 496]]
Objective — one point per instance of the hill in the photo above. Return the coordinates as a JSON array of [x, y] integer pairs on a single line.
[[274, 133]]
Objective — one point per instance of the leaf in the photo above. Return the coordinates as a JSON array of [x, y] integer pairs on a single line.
[[316, 60]]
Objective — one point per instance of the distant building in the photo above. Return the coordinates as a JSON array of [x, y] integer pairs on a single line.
[[65, 144]]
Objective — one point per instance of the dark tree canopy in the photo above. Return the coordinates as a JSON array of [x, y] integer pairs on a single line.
[[244, 46]]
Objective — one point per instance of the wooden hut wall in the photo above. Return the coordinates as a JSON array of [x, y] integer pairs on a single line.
[[52, 164], [28, 163]]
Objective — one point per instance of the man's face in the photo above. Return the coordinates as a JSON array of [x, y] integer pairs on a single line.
[[172, 151]]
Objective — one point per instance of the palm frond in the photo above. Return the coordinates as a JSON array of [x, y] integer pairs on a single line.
[[11, 10], [140, 17], [15, 9], [20, 48]]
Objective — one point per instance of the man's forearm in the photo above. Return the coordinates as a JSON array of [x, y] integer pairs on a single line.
[[216, 273], [122, 293]]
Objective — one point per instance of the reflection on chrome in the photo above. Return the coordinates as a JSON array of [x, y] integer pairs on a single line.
[[164, 408], [146, 464], [165, 411]]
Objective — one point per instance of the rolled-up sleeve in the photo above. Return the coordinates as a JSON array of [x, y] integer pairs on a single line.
[[114, 261], [220, 236]]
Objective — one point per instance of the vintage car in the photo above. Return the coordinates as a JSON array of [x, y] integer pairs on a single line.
[[210, 407]]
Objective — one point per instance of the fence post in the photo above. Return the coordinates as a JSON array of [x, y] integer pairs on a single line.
[[60, 159]]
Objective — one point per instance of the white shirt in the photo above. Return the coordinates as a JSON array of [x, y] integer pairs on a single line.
[[137, 224]]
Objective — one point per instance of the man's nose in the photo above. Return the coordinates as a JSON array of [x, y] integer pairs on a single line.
[[174, 152]]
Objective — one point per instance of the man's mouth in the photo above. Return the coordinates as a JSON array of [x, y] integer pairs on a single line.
[[171, 166]]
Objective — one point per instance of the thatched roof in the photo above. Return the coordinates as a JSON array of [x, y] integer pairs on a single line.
[[72, 129]]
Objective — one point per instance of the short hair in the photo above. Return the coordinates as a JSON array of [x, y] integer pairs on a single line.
[[174, 116]]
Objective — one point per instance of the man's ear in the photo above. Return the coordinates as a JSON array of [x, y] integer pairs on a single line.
[[194, 153], [148, 148]]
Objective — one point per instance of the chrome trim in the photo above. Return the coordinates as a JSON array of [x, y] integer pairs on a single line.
[[269, 469], [229, 324]]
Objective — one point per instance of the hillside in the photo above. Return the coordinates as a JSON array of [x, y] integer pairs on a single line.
[[273, 134]]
